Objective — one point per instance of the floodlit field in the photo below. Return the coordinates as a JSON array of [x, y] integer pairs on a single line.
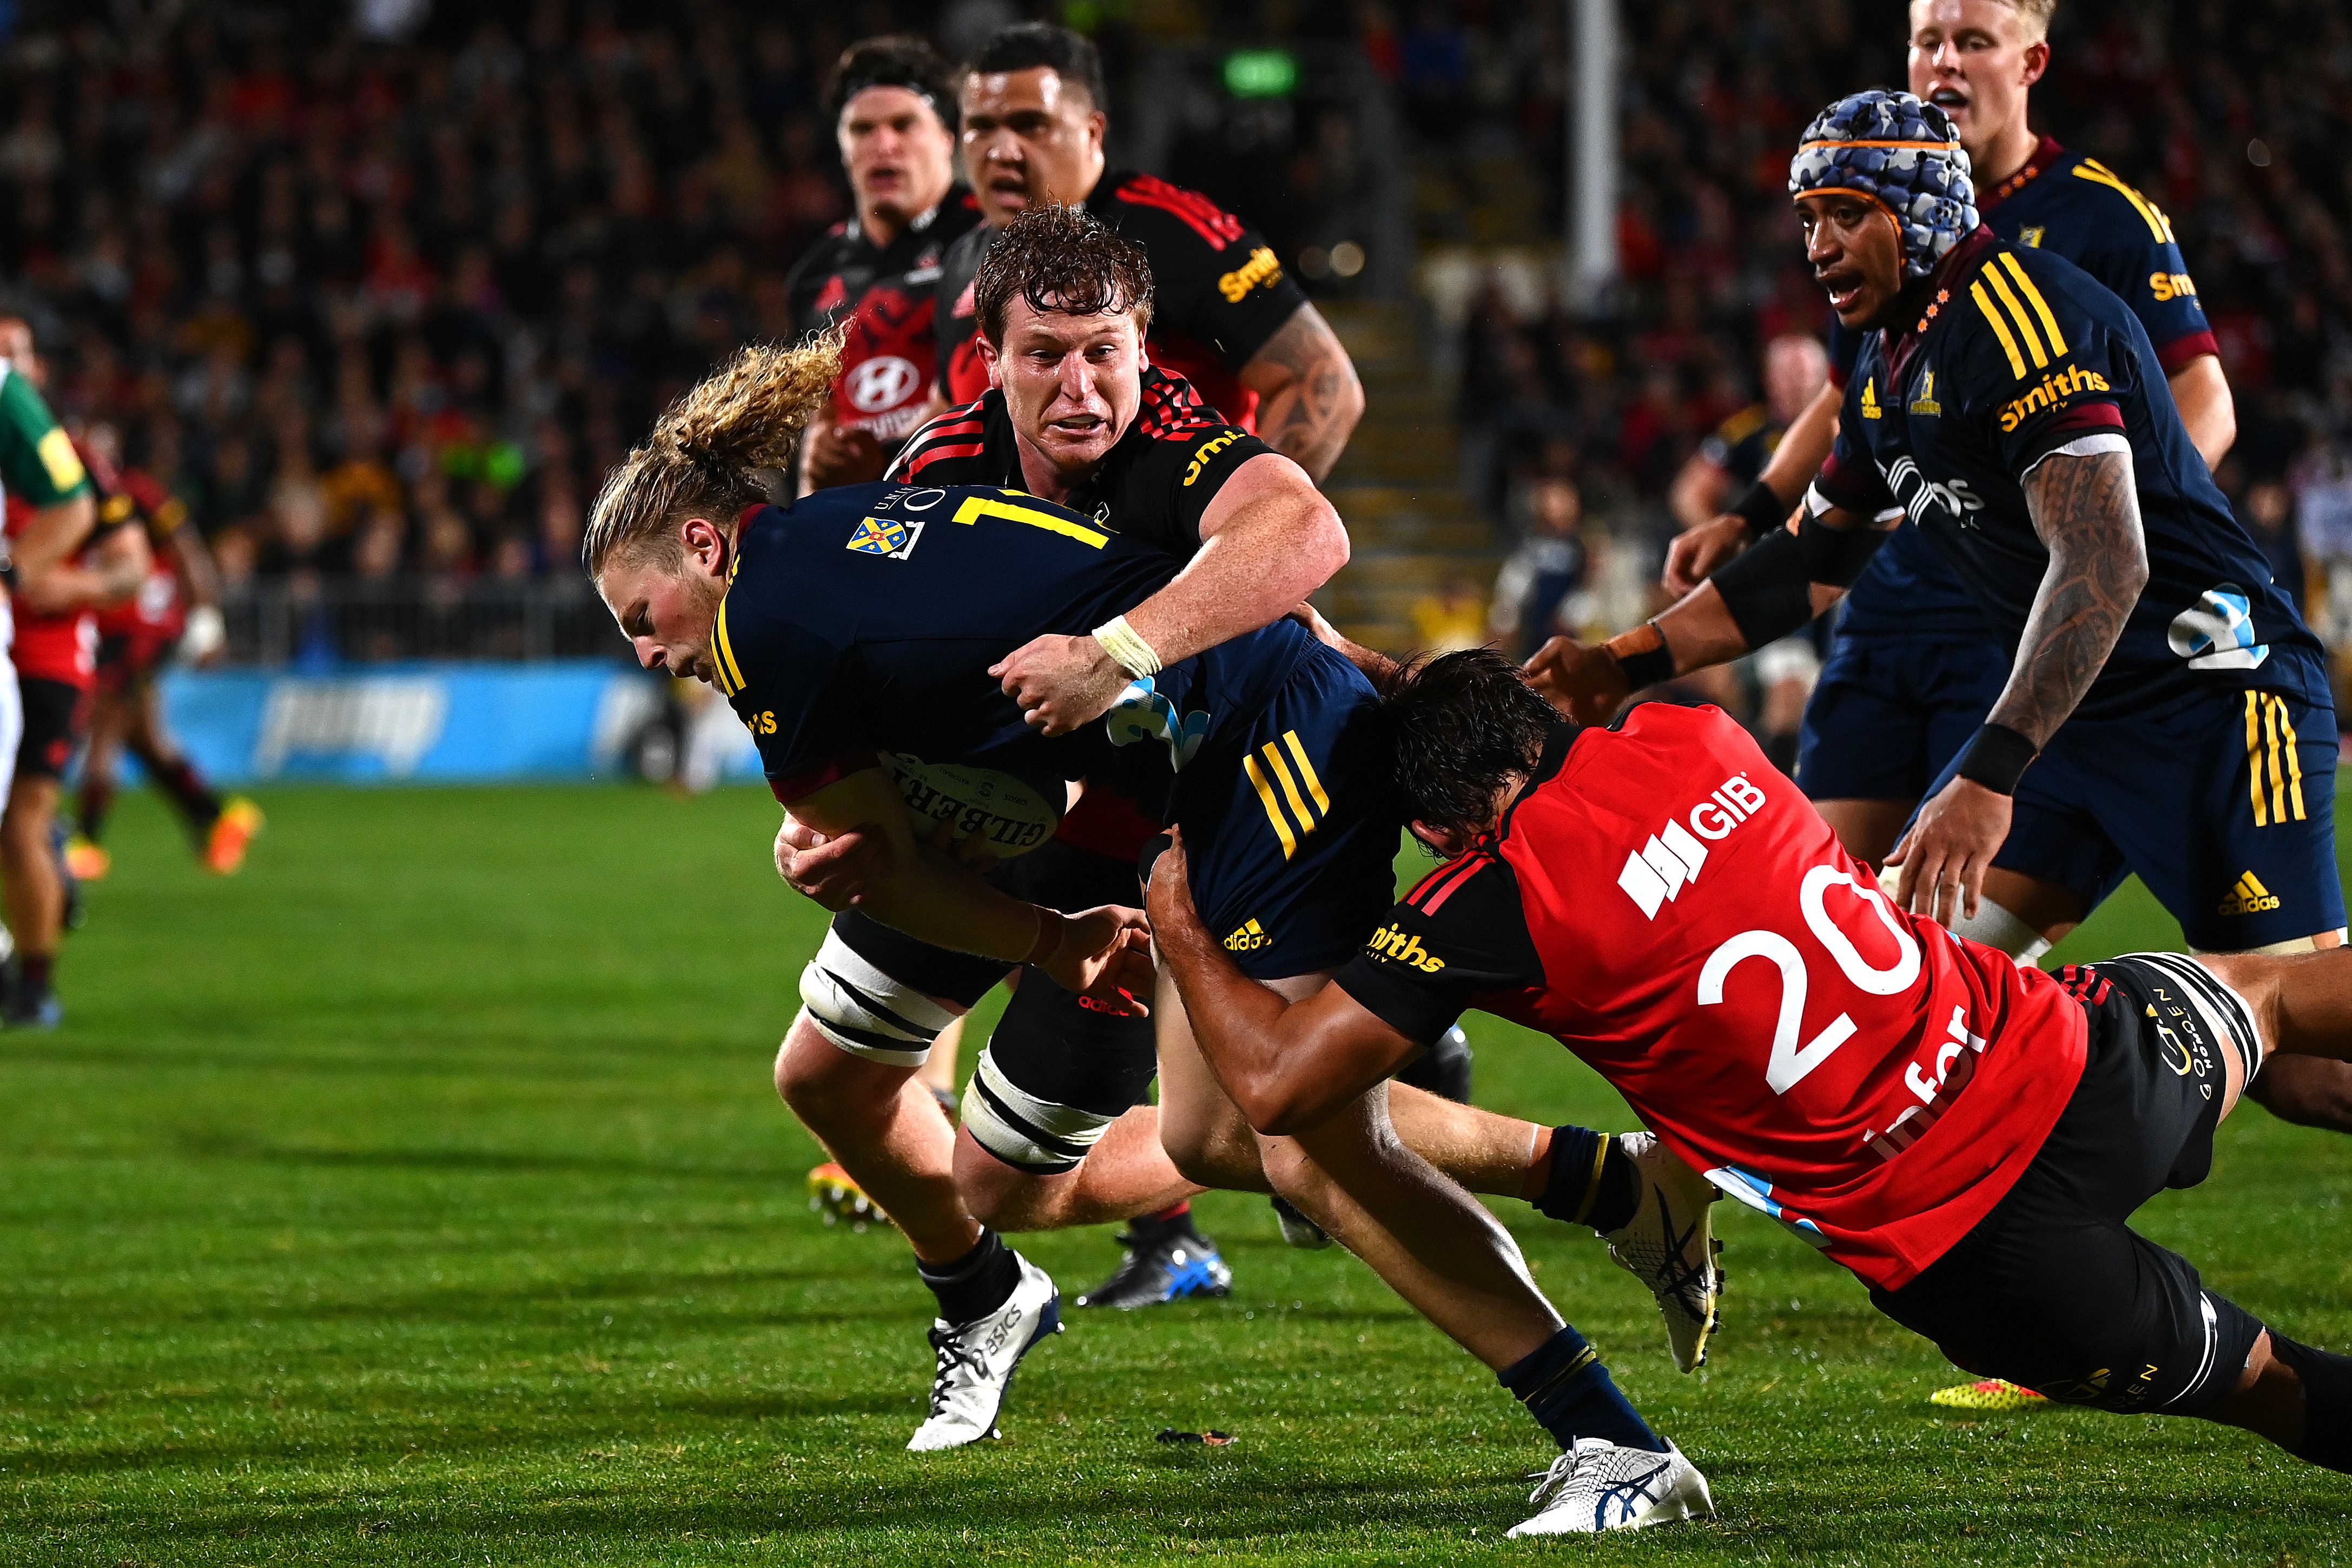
[[419, 1197]]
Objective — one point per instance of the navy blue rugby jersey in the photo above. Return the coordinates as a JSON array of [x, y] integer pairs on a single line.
[[861, 620], [2078, 208], [2021, 354]]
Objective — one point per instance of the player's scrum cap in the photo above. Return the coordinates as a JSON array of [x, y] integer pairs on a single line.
[[1904, 154]]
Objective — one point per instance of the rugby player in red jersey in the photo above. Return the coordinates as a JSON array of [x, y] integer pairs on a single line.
[[174, 614], [1967, 1135], [67, 559], [892, 102], [1229, 319]]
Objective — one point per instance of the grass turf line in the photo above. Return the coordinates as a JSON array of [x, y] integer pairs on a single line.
[[419, 1197]]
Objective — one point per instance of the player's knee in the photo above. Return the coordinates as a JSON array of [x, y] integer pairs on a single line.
[[863, 1011], [1025, 1133]]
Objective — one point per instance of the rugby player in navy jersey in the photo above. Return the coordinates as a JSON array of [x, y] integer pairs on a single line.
[[892, 102], [1231, 320], [854, 634], [1917, 665], [2166, 712]]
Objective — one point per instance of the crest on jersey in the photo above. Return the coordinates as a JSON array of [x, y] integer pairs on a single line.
[[2031, 236], [886, 535]]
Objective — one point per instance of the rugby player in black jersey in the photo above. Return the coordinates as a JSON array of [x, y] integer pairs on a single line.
[[892, 102], [853, 634], [1229, 318]]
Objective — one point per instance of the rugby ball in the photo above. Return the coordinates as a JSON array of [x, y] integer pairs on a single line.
[[1014, 817]]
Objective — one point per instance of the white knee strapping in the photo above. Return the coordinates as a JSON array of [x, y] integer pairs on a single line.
[[1026, 1133], [864, 1011], [2225, 1014], [1997, 928]]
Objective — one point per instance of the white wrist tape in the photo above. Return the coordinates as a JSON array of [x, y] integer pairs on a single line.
[[1126, 648]]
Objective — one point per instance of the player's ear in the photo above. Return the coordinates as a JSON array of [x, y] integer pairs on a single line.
[[706, 544], [2037, 61]]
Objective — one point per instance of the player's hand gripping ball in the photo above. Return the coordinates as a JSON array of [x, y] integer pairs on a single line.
[[1061, 683]]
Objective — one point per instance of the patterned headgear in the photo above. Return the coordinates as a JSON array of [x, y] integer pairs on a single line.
[[1904, 154]]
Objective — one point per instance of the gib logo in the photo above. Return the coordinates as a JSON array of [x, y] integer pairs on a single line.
[[882, 382]]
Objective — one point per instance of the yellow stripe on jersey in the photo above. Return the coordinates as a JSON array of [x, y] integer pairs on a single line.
[[2000, 328], [2271, 755], [978, 506], [731, 674], [1273, 807], [2041, 306], [1289, 789], [2017, 314], [2098, 174], [1306, 771]]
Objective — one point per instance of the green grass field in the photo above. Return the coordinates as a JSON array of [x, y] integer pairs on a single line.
[[420, 1197]]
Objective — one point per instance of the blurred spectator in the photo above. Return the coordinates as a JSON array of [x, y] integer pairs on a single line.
[[1450, 619], [1537, 594]]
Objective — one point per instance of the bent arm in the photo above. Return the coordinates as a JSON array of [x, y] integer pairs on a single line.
[[929, 897], [198, 568], [1267, 540], [1804, 446], [47, 583], [1697, 495], [2086, 509], [2202, 394], [1288, 1065], [1308, 396]]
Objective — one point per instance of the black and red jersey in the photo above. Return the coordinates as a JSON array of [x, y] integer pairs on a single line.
[[1154, 485], [886, 294], [1218, 291], [1671, 909], [63, 646], [159, 611]]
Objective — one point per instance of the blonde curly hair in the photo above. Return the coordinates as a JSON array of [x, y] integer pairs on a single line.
[[703, 457]]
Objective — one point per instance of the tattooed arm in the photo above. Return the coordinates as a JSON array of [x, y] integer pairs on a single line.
[[1308, 396], [2086, 510]]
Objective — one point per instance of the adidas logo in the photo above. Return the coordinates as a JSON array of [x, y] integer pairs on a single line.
[[1249, 938], [2249, 897]]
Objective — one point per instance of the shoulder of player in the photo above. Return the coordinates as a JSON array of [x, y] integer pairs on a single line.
[[951, 439], [1160, 217], [1743, 425], [2026, 309], [2086, 187]]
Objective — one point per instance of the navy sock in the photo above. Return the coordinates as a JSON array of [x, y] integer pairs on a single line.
[[2326, 1402], [1572, 1396], [1592, 1181], [975, 1284]]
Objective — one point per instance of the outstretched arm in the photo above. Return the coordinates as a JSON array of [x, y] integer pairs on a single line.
[[1698, 551], [2085, 508], [1267, 540], [1771, 590], [1289, 1065], [1308, 396]]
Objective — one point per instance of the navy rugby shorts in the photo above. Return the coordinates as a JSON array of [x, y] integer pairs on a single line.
[[2224, 806], [1888, 715]]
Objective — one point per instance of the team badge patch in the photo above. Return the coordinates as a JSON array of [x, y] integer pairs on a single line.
[[885, 536]]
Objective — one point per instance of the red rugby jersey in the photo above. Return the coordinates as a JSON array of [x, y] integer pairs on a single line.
[[1674, 911]]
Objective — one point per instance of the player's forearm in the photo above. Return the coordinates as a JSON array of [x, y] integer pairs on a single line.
[[1697, 492], [1804, 447], [1309, 397], [41, 551], [1240, 1027], [2086, 510], [2202, 394], [1260, 563], [196, 567], [935, 900]]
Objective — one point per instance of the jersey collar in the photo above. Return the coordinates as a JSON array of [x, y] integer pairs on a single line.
[[2046, 153], [1934, 297]]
